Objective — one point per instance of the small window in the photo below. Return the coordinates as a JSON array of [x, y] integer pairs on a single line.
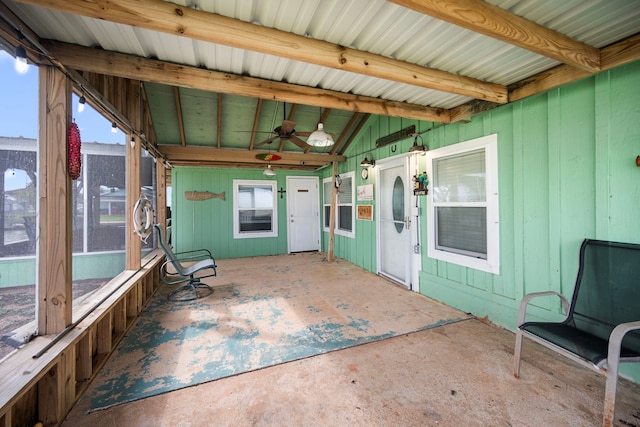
[[344, 205], [463, 223], [254, 213]]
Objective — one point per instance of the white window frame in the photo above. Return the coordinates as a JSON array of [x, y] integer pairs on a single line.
[[237, 234], [326, 201], [492, 263]]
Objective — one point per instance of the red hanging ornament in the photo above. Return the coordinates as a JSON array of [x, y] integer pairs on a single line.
[[73, 150]]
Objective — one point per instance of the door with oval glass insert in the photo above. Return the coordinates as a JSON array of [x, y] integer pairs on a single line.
[[394, 221]]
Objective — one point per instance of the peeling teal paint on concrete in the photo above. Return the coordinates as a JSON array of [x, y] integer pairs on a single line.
[[234, 331]]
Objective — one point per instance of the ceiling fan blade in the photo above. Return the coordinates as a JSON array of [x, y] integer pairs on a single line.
[[300, 143], [253, 131], [303, 133], [267, 141]]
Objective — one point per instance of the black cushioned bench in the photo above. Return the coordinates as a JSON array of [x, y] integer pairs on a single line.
[[602, 325]]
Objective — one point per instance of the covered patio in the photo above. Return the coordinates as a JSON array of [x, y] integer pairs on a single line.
[[447, 158], [454, 374]]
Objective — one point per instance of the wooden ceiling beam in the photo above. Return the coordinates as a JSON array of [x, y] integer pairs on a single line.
[[485, 18], [345, 132], [134, 67], [182, 155], [615, 55], [171, 18], [219, 133], [246, 165], [256, 121], [176, 95], [355, 133]]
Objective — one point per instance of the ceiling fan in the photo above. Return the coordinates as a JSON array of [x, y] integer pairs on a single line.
[[286, 131]]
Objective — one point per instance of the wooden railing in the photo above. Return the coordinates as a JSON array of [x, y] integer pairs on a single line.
[[42, 381]]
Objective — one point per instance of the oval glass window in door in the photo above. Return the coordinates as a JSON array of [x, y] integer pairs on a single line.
[[397, 202]]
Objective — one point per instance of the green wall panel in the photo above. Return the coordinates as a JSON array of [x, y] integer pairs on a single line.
[[565, 162], [567, 171], [22, 271], [566, 165], [209, 223], [98, 266], [17, 272]]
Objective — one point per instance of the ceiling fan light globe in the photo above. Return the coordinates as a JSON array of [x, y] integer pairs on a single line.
[[319, 138]]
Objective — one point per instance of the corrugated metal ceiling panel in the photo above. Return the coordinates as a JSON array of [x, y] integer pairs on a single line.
[[375, 26]]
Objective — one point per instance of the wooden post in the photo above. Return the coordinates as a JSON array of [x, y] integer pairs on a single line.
[[161, 194], [54, 196], [132, 172], [332, 216]]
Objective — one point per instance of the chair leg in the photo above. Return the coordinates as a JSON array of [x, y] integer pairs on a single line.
[[193, 290], [610, 392], [516, 354]]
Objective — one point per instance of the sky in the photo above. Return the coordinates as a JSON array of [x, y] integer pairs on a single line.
[[19, 114], [19, 108]]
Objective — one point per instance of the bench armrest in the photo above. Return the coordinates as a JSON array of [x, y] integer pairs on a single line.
[[529, 297], [197, 253], [617, 335]]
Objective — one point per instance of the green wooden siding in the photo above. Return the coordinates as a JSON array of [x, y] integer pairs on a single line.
[[209, 223], [22, 271], [567, 171]]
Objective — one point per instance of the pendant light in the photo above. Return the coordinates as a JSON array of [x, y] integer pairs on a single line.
[[81, 102], [21, 56], [21, 60], [367, 163], [268, 171], [415, 148], [320, 138]]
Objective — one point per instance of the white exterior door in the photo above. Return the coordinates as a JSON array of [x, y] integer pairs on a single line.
[[303, 214], [394, 221]]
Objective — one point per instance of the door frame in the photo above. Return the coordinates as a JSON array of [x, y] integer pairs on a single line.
[[289, 200], [414, 260]]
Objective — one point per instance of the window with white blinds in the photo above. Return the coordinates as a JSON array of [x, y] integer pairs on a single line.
[[254, 213], [459, 179], [344, 204], [463, 225]]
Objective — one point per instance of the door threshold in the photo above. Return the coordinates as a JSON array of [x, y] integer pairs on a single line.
[[394, 281]]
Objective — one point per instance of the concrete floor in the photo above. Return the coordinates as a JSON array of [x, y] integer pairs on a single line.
[[453, 375]]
